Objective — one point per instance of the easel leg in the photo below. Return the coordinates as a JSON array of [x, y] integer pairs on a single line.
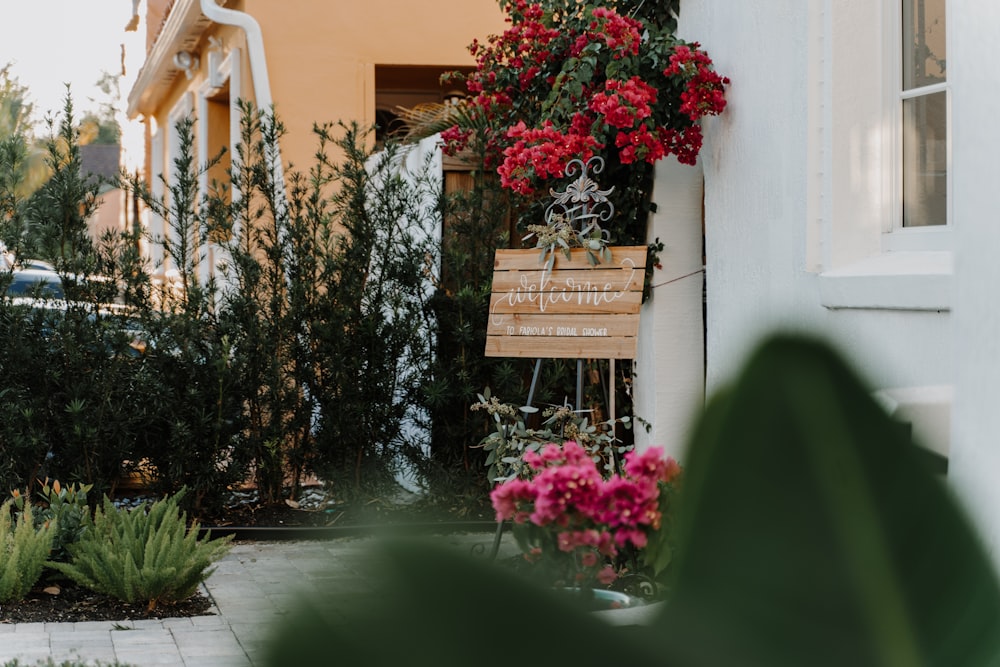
[[531, 397]]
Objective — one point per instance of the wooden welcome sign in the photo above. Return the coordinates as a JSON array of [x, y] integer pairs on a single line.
[[575, 310]]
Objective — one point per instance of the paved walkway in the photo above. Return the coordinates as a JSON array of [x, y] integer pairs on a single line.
[[252, 588]]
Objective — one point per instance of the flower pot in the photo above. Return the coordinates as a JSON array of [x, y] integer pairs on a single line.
[[599, 599]]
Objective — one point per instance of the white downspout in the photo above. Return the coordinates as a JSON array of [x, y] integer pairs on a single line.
[[258, 69], [261, 86], [255, 46]]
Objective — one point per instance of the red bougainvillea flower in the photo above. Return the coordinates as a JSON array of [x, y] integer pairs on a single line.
[[540, 153], [555, 86]]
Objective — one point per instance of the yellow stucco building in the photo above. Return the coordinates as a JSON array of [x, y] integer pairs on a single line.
[[337, 60]]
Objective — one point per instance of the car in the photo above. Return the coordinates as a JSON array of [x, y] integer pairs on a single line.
[[40, 288], [31, 284], [37, 264]]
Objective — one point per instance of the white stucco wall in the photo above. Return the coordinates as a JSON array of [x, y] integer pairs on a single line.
[[669, 370], [794, 191], [755, 167], [975, 459]]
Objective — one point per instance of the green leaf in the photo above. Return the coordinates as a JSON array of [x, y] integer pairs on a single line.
[[810, 531], [441, 608]]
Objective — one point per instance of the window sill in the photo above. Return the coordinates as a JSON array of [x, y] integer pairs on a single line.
[[918, 280], [926, 409]]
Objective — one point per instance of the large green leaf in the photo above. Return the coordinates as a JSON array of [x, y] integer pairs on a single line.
[[813, 533], [435, 607], [810, 532]]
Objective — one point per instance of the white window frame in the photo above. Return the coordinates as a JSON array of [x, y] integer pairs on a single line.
[[866, 259], [157, 224], [897, 238], [222, 70]]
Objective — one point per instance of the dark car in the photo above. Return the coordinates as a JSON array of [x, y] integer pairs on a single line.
[[35, 284], [42, 290]]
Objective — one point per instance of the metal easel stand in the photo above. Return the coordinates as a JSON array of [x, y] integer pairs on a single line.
[[580, 209], [498, 536]]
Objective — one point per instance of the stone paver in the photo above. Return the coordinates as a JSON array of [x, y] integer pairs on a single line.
[[252, 589]]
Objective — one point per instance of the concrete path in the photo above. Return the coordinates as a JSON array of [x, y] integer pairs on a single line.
[[252, 588]]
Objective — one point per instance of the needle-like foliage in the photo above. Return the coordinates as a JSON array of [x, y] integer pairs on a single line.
[[144, 554], [23, 551]]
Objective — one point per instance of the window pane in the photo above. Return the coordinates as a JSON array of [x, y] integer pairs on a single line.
[[923, 43], [925, 160]]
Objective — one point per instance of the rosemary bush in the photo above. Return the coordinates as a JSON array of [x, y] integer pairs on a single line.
[[143, 554]]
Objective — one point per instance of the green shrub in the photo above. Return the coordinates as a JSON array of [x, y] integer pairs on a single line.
[[148, 555], [66, 508], [23, 550], [70, 377]]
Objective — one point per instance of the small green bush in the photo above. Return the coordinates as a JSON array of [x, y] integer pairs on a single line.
[[147, 555], [23, 550], [63, 506]]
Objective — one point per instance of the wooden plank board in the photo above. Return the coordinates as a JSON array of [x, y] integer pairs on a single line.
[[558, 303], [561, 348], [531, 258], [574, 280], [574, 310], [521, 324]]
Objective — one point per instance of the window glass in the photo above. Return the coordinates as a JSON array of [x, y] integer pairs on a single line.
[[923, 43], [924, 113], [925, 160]]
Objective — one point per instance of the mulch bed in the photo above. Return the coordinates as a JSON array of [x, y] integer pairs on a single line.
[[73, 604]]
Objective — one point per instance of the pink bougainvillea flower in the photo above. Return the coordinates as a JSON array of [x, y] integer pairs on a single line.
[[587, 516], [607, 575]]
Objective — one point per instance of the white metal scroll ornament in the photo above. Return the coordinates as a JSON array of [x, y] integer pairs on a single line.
[[576, 216]]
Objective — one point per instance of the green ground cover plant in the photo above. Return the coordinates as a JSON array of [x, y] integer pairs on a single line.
[[147, 554], [64, 509], [24, 549]]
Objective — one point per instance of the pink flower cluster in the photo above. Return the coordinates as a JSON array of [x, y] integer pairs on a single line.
[[622, 103], [621, 34], [587, 513], [540, 153]]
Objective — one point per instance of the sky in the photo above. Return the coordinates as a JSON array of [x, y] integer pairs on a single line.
[[52, 42]]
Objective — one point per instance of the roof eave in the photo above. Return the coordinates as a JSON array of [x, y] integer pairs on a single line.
[[182, 32]]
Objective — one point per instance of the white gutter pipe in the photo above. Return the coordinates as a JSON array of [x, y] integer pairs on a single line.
[[258, 71], [255, 46]]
